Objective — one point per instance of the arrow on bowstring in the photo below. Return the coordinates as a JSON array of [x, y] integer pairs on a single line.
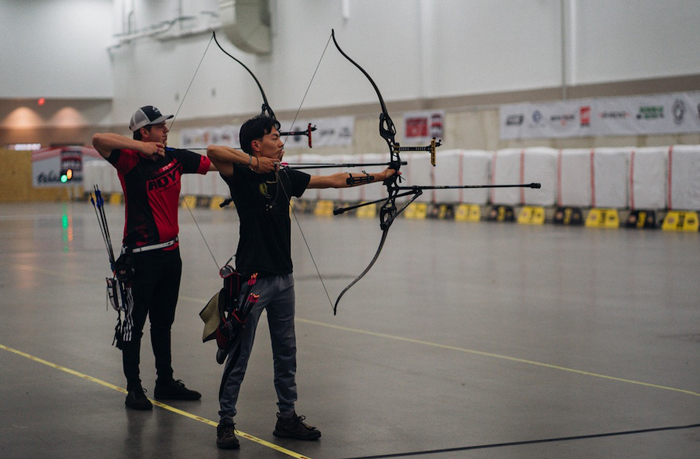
[[330, 165]]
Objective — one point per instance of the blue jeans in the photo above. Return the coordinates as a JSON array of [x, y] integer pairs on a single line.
[[277, 298]]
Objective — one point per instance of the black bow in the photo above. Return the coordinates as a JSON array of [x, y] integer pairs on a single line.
[[388, 210], [266, 109]]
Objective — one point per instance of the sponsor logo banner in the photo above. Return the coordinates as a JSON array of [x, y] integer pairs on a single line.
[[336, 131], [50, 165], [673, 113], [421, 127]]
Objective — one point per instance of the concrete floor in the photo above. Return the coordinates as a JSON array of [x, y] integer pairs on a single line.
[[466, 340]]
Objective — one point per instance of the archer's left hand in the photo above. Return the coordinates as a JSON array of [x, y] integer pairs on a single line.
[[386, 173]]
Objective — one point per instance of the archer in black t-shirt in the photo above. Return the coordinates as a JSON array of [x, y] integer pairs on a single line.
[[262, 202], [262, 194]]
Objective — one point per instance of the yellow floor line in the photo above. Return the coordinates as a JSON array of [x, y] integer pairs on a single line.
[[497, 356], [155, 402]]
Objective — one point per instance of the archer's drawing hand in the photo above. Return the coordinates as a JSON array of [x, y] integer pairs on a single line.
[[152, 149], [265, 165]]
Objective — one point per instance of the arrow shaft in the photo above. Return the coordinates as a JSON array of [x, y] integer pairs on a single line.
[[328, 165], [454, 187]]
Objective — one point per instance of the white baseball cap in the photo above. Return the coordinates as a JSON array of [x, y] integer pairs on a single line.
[[146, 115]]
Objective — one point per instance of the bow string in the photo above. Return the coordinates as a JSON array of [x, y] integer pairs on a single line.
[[266, 110]]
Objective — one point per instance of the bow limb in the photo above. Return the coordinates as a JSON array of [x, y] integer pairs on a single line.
[[265, 106], [357, 279], [386, 126], [388, 213], [266, 109]]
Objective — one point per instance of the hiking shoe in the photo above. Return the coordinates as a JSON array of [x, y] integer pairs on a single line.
[[225, 434], [174, 390], [295, 427], [136, 400]]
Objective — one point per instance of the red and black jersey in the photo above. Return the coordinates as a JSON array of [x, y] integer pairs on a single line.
[[152, 192]]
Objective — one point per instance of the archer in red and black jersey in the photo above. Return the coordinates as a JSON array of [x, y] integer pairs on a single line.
[[150, 176]]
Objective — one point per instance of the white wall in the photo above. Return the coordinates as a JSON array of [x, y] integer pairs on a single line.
[[412, 48], [618, 40], [484, 47], [55, 48]]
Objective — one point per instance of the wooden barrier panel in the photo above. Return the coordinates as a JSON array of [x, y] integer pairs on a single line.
[[16, 179]]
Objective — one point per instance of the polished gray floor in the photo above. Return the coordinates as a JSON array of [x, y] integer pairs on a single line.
[[466, 340]]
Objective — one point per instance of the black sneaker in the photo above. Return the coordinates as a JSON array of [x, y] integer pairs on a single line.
[[294, 427], [174, 390], [225, 434], [136, 400]]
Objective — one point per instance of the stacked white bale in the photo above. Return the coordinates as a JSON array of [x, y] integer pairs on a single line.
[[291, 159], [462, 167], [353, 194], [506, 167], [92, 162], [475, 169], [329, 194], [208, 183], [648, 175], [220, 187], [538, 165], [419, 171], [212, 184], [684, 177], [574, 177], [92, 175], [309, 158], [190, 185], [448, 171], [610, 177]]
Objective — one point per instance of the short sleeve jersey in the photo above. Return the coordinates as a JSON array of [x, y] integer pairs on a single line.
[[262, 203], [152, 192]]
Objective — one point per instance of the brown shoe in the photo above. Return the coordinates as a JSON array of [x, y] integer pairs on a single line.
[[295, 427], [226, 434]]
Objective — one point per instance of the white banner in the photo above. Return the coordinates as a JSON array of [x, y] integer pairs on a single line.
[[336, 131], [49, 165], [673, 113], [422, 127], [330, 132]]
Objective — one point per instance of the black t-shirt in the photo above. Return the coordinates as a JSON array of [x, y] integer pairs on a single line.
[[262, 203]]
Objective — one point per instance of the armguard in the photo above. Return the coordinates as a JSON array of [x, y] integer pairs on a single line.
[[352, 181]]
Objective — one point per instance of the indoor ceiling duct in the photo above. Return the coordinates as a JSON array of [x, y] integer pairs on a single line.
[[246, 23]]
